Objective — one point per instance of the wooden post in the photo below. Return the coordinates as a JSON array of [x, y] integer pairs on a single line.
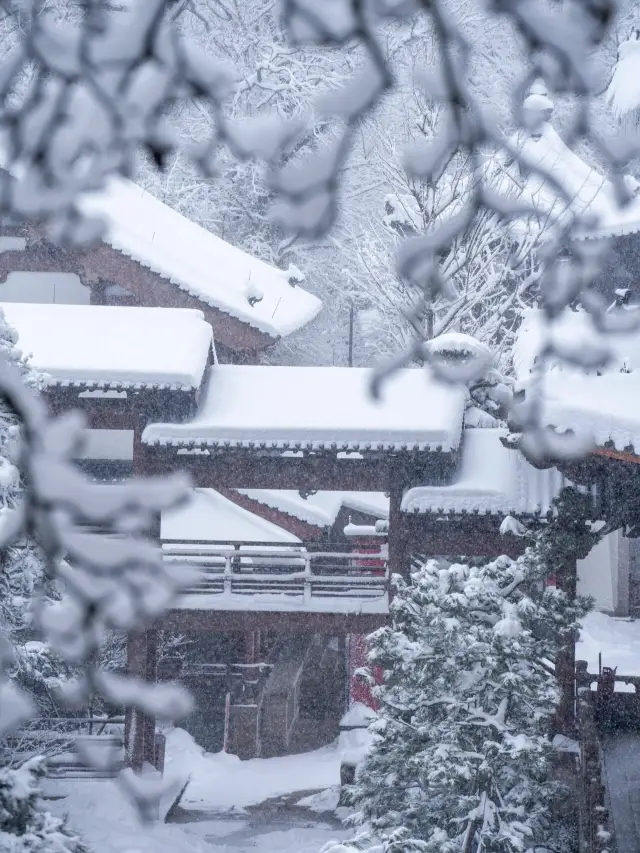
[[134, 718], [98, 293], [250, 647], [151, 675], [138, 461], [565, 664], [399, 547], [139, 728]]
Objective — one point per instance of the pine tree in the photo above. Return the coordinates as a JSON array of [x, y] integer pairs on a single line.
[[34, 667], [24, 827], [462, 747]]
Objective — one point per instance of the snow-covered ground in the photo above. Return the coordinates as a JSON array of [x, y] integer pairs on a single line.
[[617, 639], [221, 807], [221, 782]]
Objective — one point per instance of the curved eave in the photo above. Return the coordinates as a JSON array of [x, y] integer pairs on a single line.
[[627, 455], [608, 233], [355, 446], [115, 385], [453, 513]]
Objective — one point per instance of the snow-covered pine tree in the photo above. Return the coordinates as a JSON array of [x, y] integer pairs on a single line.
[[34, 667], [24, 827], [462, 755]]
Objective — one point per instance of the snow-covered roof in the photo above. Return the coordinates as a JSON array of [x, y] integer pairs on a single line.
[[319, 407], [623, 92], [491, 479], [98, 346], [195, 260], [208, 515], [573, 327], [618, 640], [592, 195], [606, 405], [322, 508]]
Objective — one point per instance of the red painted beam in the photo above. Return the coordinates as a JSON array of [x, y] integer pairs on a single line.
[[619, 455]]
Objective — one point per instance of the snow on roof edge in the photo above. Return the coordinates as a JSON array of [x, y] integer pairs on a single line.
[[491, 480], [112, 347], [130, 243]]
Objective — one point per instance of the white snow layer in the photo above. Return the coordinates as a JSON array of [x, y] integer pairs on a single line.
[[617, 639], [220, 790], [575, 328], [223, 782], [623, 92], [591, 194], [318, 407], [99, 345], [322, 508], [274, 602], [209, 515], [491, 479], [603, 406], [219, 274]]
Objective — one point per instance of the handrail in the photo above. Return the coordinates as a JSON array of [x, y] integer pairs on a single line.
[[250, 553], [249, 568], [311, 546]]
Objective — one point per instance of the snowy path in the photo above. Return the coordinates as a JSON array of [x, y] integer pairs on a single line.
[[223, 784], [622, 766], [241, 806]]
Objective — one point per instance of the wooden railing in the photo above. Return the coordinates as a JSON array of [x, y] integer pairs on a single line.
[[309, 571], [60, 740]]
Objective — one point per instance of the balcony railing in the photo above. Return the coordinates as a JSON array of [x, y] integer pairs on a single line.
[[308, 571]]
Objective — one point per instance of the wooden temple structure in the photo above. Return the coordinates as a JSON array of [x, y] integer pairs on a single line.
[[159, 351]]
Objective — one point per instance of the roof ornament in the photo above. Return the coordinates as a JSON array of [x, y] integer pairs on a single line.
[[294, 275], [623, 91], [307, 493], [537, 108], [253, 293]]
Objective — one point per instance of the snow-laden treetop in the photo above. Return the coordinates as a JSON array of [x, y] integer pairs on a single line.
[[558, 184], [623, 92]]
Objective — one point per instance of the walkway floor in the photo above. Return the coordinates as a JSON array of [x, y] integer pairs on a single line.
[[279, 825], [622, 767]]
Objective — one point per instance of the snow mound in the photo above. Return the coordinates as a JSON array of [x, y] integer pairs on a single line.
[[358, 715], [323, 801]]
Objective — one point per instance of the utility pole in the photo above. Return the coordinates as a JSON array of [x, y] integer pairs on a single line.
[[351, 322]]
